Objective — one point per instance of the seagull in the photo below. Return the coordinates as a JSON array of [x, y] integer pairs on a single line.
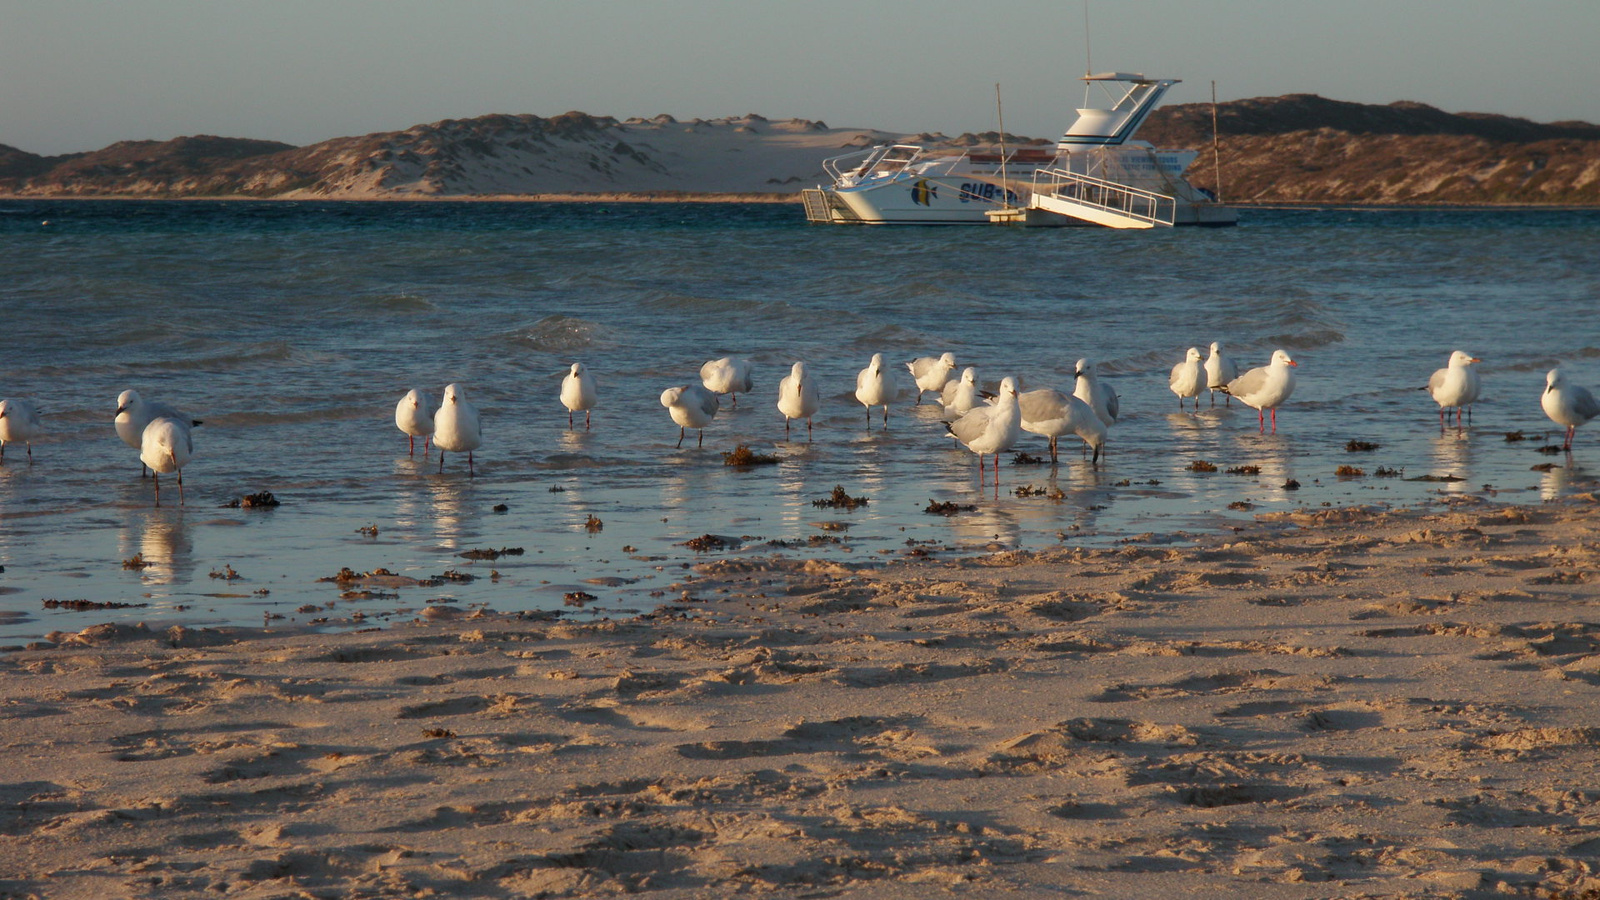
[[1219, 371], [414, 416], [1567, 404], [728, 375], [1455, 386], [19, 421], [1052, 414], [798, 398], [577, 393], [691, 406], [931, 373], [991, 429], [1265, 388], [959, 397], [876, 386], [166, 446], [456, 427], [1189, 378], [134, 414], [1100, 397]]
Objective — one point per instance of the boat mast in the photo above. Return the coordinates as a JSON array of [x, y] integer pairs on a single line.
[[1216, 153], [1000, 110]]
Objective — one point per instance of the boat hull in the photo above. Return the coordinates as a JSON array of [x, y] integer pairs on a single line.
[[967, 200]]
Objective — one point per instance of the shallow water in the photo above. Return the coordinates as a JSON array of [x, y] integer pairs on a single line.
[[292, 329]]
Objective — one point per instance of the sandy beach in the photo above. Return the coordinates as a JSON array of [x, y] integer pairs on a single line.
[[1346, 702]]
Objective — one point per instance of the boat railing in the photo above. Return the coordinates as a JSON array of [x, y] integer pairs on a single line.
[[1108, 196], [888, 159]]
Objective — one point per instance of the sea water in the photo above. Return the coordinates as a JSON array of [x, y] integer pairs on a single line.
[[292, 329]]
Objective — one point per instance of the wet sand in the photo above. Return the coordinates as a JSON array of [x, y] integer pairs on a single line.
[[1341, 702]]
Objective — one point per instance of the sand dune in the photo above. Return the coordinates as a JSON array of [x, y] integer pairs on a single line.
[[1333, 703]]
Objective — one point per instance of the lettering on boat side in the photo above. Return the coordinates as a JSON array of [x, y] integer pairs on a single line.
[[979, 190]]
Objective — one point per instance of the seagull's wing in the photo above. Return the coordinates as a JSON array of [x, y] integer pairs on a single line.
[[971, 426], [1043, 405], [1584, 404], [1248, 383]]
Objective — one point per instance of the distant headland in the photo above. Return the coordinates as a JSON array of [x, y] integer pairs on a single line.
[[1299, 148]]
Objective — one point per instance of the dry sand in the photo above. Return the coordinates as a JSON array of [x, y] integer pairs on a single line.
[[1343, 703]]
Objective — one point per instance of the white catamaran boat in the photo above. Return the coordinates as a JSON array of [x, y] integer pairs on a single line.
[[1097, 175]]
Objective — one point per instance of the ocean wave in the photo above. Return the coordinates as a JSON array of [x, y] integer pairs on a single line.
[[559, 334], [402, 303]]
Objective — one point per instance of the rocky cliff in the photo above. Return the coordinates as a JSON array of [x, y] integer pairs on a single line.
[[1307, 149], [1297, 148]]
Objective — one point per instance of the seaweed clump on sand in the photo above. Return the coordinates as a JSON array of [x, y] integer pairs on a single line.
[[742, 455], [1245, 470], [448, 576], [707, 542], [1355, 446], [840, 500], [88, 605], [258, 500], [946, 507], [1201, 465], [490, 553]]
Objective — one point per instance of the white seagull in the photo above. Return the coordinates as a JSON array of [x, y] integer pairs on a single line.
[[166, 446], [931, 373], [414, 416], [1455, 386], [1219, 371], [991, 429], [577, 393], [959, 397], [1265, 388], [1567, 404], [1189, 378], [19, 421], [798, 397], [1100, 397], [457, 427], [876, 386], [134, 414], [691, 406], [728, 375], [1052, 414]]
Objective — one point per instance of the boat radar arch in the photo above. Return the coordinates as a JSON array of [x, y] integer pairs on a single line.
[[1100, 127]]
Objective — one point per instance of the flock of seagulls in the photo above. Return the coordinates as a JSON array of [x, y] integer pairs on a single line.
[[985, 424]]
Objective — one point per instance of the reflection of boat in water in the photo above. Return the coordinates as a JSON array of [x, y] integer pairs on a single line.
[[1097, 174]]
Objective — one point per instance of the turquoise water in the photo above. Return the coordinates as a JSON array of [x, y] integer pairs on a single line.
[[292, 329]]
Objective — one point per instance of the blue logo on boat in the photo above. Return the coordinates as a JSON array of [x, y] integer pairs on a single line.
[[924, 193]]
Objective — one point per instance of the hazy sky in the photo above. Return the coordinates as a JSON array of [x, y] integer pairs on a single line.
[[78, 75]]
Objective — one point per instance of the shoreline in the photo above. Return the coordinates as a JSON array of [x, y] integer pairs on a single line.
[[1347, 700], [749, 197]]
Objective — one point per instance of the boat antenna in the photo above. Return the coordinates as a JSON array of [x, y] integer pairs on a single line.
[[1216, 153], [1000, 110], [1088, 54]]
